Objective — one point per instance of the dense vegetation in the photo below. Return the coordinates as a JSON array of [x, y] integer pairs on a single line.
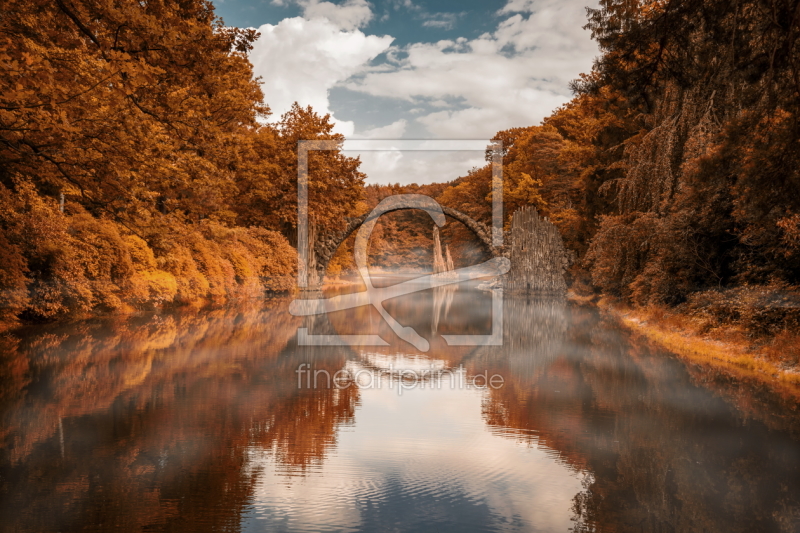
[[675, 170], [137, 168]]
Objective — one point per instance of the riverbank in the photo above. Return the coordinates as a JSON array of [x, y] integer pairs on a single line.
[[768, 360], [125, 311]]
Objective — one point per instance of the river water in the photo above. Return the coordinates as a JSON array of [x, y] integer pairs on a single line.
[[210, 419]]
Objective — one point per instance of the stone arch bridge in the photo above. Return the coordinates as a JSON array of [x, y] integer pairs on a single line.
[[326, 243]]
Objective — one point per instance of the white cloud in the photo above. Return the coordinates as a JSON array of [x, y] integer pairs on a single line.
[[395, 130], [493, 116], [462, 88], [300, 60], [445, 21], [350, 15], [439, 103], [384, 166], [527, 6], [513, 77], [408, 4], [404, 167]]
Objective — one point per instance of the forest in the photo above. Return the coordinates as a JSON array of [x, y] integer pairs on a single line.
[[138, 169]]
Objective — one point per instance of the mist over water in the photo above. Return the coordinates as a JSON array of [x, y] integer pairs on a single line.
[[199, 421]]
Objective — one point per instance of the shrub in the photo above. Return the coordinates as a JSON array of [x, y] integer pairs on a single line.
[[191, 284], [53, 264], [55, 259], [149, 286], [279, 260], [13, 280], [760, 310]]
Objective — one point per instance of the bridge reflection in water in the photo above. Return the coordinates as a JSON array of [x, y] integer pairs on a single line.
[[194, 421]]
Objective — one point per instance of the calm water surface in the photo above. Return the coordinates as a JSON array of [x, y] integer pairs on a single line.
[[199, 421]]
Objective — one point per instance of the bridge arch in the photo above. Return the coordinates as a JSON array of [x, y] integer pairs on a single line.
[[327, 243]]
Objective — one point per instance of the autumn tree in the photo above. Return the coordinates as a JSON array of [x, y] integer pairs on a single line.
[[711, 176], [269, 194], [128, 134], [135, 110]]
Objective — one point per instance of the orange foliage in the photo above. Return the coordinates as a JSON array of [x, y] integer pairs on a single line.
[[55, 264], [134, 169]]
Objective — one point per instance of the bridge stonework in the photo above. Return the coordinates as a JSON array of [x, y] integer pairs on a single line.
[[534, 246], [327, 242]]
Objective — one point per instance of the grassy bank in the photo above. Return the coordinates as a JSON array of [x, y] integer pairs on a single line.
[[768, 359]]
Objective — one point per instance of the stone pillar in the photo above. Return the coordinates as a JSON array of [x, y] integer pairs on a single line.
[[313, 288], [538, 257], [438, 261]]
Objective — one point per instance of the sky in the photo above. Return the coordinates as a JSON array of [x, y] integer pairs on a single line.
[[416, 69]]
